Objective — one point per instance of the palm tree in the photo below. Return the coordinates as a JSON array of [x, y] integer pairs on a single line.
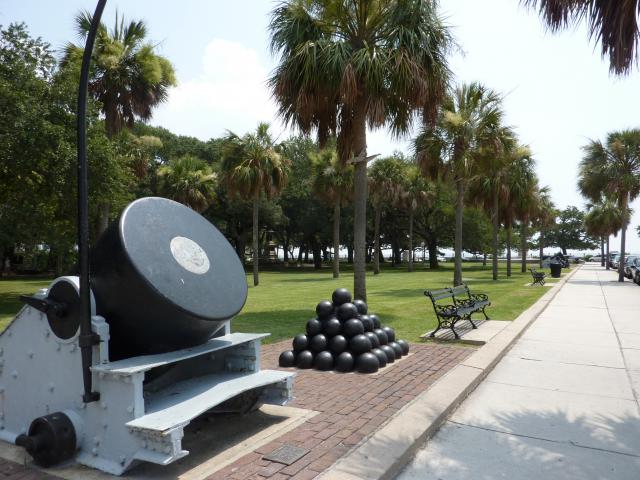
[[415, 192], [603, 220], [346, 65], [490, 189], [385, 184], [544, 217], [252, 167], [332, 182], [128, 78], [612, 23], [469, 121], [522, 185], [612, 170], [188, 180]]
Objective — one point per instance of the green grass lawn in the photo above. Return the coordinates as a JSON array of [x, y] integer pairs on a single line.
[[286, 298]]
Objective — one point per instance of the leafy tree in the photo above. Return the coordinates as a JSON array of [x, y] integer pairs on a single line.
[[345, 65], [188, 180], [435, 220], [251, 168], [612, 170], [416, 193], [613, 24], [569, 232], [469, 121], [332, 183]]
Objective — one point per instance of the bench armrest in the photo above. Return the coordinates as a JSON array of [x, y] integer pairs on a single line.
[[479, 297]]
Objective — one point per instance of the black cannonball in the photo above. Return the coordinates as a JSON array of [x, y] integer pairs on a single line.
[[373, 338], [367, 363], [304, 359], [340, 296], [331, 327], [344, 362], [359, 344], [367, 322], [382, 357], [405, 346], [314, 327], [396, 348], [338, 344], [389, 352], [347, 311], [287, 359], [300, 342], [352, 327], [324, 309], [376, 321], [318, 343], [361, 305], [391, 333], [323, 361], [382, 336]]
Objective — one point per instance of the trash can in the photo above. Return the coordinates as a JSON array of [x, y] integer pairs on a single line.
[[556, 269]]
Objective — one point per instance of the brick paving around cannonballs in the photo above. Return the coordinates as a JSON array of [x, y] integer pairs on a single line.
[[352, 406]]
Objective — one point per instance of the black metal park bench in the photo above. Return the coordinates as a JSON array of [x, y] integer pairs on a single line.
[[538, 277], [458, 307]]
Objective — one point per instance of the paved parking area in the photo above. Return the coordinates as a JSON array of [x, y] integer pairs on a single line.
[[563, 402]]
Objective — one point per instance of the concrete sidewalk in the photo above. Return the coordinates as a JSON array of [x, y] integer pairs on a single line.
[[563, 402]]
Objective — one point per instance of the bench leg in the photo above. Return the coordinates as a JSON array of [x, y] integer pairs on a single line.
[[473, 325], [433, 334], [485, 313], [453, 324]]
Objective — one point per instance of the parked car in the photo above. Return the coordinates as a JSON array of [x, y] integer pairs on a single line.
[[615, 261], [635, 270], [628, 263]]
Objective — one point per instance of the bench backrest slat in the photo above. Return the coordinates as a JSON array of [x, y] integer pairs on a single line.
[[441, 294], [460, 289]]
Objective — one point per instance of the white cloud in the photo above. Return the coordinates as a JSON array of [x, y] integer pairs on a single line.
[[230, 93]]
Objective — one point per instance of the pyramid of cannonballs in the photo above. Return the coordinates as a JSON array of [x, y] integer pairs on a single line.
[[344, 337]]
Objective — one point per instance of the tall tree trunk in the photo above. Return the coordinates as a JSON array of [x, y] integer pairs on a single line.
[[411, 239], [541, 240], [256, 204], [602, 251], [484, 259], [509, 250], [607, 262], [623, 239], [523, 245], [306, 253], [336, 239], [317, 253], [300, 253], [350, 254], [376, 239], [433, 254], [457, 272], [495, 220], [360, 200]]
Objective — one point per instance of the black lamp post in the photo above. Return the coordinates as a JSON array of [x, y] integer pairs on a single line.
[[87, 338]]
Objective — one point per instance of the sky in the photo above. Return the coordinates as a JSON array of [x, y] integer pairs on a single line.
[[558, 92]]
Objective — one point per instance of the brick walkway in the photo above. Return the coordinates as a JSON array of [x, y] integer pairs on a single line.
[[351, 407]]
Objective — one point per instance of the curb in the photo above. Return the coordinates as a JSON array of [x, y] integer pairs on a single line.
[[384, 454]]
